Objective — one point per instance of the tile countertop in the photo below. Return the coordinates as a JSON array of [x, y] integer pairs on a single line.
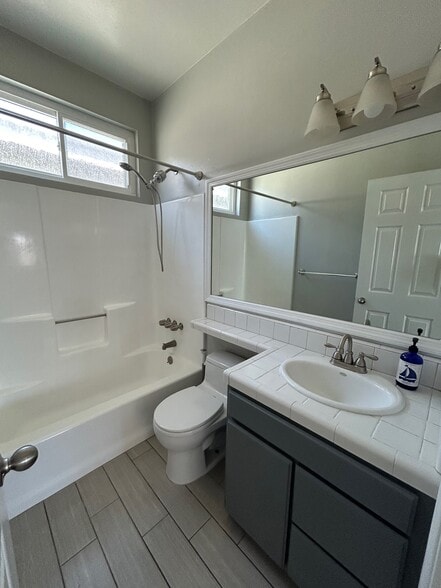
[[404, 445]]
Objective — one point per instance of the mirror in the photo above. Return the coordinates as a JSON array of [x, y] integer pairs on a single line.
[[362, 243]]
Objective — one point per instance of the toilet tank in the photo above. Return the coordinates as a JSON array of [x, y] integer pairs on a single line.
[[215, 364]]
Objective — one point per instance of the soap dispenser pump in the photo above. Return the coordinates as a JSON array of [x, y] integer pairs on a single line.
[[410, 366]]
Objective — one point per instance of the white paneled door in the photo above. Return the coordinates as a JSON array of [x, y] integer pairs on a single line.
[[398, 287], [8, 571]]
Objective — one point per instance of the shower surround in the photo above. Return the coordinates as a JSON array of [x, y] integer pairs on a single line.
[[86, 390]]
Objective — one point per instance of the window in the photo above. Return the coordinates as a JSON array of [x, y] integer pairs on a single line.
[[24, 145], [226, 199], [87, 161], [29, 149]]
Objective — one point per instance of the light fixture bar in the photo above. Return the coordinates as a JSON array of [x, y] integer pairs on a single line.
[[406, 89], [291, 202], [198, 175]]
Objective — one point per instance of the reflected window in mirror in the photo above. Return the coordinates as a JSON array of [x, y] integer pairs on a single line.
[[226, 200]]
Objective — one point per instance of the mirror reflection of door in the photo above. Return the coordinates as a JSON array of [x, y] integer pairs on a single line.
[[8, 570], [399, 269]]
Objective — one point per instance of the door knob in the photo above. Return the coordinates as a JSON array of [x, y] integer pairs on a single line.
[[361, 300], [20, 460]]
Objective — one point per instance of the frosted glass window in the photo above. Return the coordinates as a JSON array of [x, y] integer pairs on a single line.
[[27, 146], [225, 199], [93, 163]]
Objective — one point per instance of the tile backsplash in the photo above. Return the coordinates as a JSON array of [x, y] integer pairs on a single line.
[[314, 340]]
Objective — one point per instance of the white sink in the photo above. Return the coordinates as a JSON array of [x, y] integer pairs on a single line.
[[364, 393]]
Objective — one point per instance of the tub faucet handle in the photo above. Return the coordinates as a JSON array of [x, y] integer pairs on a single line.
[[165, 322], [176, 327]]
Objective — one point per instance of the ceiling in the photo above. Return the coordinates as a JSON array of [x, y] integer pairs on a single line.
[[141, 45]]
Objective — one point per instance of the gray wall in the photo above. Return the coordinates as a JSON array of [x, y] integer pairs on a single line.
[[249, 100], [38, 68]]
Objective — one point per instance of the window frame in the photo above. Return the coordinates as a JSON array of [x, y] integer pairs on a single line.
[[65, 110], [234, 209]]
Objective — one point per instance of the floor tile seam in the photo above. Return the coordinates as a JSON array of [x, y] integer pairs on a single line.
[[167, 509], [202, 504], [79, 551], [213, 516], [131, 520], [93, 526], [188, 540], [154, 448], [123, 503], [199, 530], [53, 542], [203, 525], [147, 547], [149, 448], [252, 563], [103, 507], [236, 545], [81, 496]]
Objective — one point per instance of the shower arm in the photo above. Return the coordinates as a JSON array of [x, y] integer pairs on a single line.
[[198, 174]]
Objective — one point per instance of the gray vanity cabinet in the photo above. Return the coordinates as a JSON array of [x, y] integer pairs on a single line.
[[255, 476], [332, 520]]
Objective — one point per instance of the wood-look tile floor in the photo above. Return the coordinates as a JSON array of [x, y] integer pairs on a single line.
[[125, 524]]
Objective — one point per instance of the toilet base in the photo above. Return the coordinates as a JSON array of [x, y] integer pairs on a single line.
[[184, 467]]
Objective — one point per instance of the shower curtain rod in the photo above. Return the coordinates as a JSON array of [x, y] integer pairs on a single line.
[[198, 175], [291, 202]]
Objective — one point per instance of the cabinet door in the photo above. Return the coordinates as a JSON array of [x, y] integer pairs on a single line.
[[257, 487]]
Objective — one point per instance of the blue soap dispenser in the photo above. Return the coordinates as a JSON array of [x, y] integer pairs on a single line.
[[410, 366]]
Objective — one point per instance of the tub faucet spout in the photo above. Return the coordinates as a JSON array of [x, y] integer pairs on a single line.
[[168, 345]]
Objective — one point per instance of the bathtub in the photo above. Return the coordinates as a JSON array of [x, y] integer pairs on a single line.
[[81, 424]]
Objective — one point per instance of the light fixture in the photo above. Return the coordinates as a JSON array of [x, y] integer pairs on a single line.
[[323, 121], [377, 101], [430, 94]]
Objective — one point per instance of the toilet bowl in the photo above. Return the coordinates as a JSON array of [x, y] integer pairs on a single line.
[[190, 424]]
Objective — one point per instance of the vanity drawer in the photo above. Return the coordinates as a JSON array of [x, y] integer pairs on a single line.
[[310, 567], [364, 545], [374, 490]]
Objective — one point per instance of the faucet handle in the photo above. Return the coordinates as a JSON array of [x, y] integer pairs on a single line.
[[360, 361], [336, 355], [164, 322]]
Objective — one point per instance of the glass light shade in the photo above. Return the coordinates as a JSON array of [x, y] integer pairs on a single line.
[[323, 122], [430, 94], [377, 101]]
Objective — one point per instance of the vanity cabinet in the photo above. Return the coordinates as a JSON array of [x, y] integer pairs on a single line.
[[332, 520]]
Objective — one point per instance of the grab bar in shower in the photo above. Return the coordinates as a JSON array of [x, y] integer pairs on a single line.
[[80, 318], [303, 272]]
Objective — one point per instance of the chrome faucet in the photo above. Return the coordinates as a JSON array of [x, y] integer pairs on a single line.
[[345, 359], [168, 345]]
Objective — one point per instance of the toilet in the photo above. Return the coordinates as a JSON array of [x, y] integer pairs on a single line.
[[190, 424]]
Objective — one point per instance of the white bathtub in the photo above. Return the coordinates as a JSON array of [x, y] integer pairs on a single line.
[[82, 425]]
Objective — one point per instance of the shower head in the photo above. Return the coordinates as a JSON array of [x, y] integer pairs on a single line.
[[126, 166], [160, 175]]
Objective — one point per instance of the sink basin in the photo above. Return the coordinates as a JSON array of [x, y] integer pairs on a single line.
[[363, 393]]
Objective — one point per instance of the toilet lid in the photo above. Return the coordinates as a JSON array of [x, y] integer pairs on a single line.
[[188, 409]]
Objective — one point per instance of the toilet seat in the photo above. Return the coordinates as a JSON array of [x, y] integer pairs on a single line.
[[188, 409]]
